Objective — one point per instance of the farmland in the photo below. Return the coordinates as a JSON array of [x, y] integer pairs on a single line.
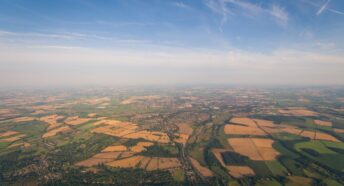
[[207, 135]]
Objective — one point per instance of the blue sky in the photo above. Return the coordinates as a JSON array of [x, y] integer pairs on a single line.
[[203, 41]]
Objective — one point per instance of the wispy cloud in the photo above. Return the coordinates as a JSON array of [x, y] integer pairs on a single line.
[[182, 5], [306, 34], [326, 46], [221, 7], [31, 35], [35, 36], [323, 7], [121, 24], [280, 15]]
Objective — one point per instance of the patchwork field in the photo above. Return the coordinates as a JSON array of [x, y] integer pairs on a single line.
[[115, 148], [259, 127], [182, 136], [128, 130], [12, 138], [52, 120], [297, 112], [135, 99], [254, 148], [148, 163], [98, 159], [8, 133], [243, 130], [75, 120], [204, 171], [55, 131], [184, 133], [323, 123], [240, 171], [24, 119]]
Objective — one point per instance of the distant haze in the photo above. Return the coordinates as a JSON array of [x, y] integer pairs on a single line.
[[47, 43]]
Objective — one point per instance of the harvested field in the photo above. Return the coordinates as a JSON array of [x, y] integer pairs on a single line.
[[99, 159], [149, 135], [204, 171], [184, 132], [44, 107], [244, 121], [141, 146], [55, 131], [153, 164], [144, 162], [23, 144], [126, 154], [255, 148], [297, 112], [292, 130], [314, 135], [240, 171], [271, 130], [117, 148], [23, 119], [108, 130], [96, 101], [7, 114], [168, 163], [116, 128], [298, 181], [264, 123], [75, 120], [37, 112], [185, 128], [51, 120], [235, 171], [262, 143], [253, 127], [130, 162], [323, 123], [12, 139], [243, 130], [135, 99], [107, 155], [91, 115], [116, 123], [128, 130], [339, 130], [217, 154], [308, 134], [6, 111], [8, 133], [326, 137]]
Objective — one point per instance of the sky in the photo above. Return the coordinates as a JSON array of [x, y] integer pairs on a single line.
[[169, 42]]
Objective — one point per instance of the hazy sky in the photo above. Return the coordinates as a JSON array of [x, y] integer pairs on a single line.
[[134, 42]]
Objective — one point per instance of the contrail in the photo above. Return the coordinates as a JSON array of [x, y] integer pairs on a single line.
[[322, 8]]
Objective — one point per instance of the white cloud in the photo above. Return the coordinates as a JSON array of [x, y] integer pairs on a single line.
[[306, 34], [326, 46], [279, 14], [182, 5]]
